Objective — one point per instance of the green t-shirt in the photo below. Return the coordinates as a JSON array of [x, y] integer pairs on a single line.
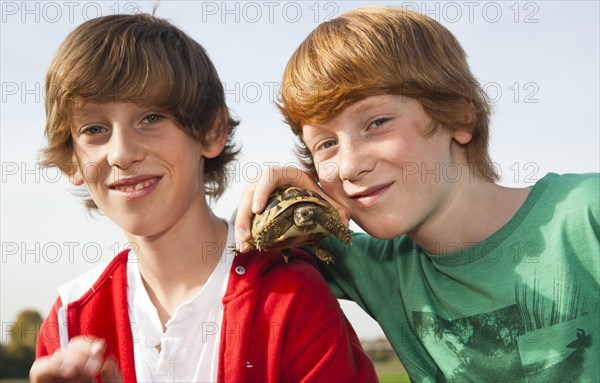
[[522, 305]]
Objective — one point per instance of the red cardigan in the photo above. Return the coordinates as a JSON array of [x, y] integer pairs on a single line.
[[281, 323]]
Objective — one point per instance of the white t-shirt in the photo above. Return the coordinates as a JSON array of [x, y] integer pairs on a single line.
[[190, 344]]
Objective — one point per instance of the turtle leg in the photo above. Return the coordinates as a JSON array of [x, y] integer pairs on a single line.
[[322, 254], [336, 228], [286, 255], [271, 231], [236, 249]]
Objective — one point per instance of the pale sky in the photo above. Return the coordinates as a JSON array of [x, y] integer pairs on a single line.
[[538, 61]]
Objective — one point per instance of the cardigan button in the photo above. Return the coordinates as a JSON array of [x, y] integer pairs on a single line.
[[240, 270]]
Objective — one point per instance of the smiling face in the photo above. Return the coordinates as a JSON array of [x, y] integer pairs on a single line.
[[141, 169], [375, 158]]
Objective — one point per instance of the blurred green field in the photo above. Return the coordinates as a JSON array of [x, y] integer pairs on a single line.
[[391, 371], [403, 378]]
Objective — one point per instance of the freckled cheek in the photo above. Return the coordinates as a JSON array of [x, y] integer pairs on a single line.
[[328, 172], [329, 179]]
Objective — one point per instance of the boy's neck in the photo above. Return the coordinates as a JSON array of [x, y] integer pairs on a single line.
[[477, 210], [176, 264]]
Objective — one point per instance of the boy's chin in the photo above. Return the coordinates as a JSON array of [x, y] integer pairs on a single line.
[[381, 230], [386, 236], [137, 228]]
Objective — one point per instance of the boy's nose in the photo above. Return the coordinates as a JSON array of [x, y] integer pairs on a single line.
[[354, 161], [124, 150]]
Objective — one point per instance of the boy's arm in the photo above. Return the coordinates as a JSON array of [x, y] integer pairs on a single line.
[[49, 336]]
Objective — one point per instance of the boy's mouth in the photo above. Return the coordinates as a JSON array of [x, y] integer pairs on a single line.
[[134, 184], [369, 196]]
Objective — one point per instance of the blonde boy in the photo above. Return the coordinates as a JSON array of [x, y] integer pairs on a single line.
[[136, 113]]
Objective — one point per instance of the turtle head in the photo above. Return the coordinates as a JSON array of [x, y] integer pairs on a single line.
[[305, 216]]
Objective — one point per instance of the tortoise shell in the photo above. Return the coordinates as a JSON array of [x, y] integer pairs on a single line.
[[296, 217]]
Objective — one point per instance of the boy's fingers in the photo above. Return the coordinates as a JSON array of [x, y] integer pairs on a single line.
[[302, 179], [86, 354], [276, 177], [56, 369], [262, 189], [50, 369], [243, 217], [291, 175], [85, 345], [78, 362], [253, 201], [110, 371]]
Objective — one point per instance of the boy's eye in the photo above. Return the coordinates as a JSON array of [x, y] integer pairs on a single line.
[[327, 144], [93, 130], [152, 118], [379, 122]]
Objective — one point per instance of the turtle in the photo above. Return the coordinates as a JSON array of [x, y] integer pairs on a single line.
[[296, 217]]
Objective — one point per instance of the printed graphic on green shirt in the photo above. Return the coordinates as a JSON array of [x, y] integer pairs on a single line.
[[528, 341]]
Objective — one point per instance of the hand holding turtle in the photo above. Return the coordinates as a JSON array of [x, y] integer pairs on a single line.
[[254, 199]]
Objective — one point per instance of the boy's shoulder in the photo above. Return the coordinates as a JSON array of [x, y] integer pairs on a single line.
[[565, 207], [272, 273], [570, 189], [582, 182], [292, 289], [90, 281], [269, 264]]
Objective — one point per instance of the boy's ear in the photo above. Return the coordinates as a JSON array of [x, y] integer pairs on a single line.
[[74, 172], [76, 178], [217, 137], [462, 136]]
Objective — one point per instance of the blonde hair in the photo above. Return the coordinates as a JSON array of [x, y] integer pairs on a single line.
[[386, 50], [141, 59]]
